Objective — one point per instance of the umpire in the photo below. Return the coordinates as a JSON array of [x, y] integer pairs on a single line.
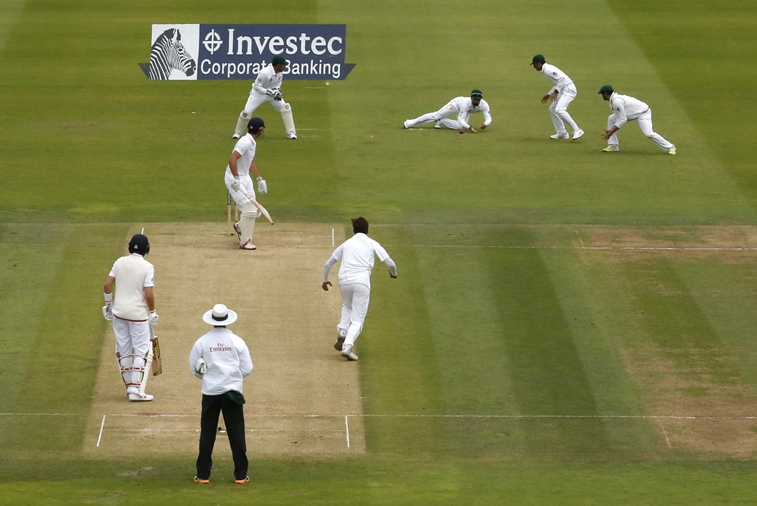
[[222, 360]]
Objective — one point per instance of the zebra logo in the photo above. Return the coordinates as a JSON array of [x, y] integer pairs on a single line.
[[167, 54]]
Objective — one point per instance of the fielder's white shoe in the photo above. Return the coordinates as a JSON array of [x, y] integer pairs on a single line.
[[293, 137], [248, 246], [577, 133], [348, 353], [140, 397], [611, 148], [563, 135], [404, 125], [237, 230], [437, 125], [235, 136]]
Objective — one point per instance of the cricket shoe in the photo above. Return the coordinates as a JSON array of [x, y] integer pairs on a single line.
[[563, 135], [140, 397], [577, 133], [339, 343], [672, 152], [611, 148], [438, 125], [248, 246], [348, 353], [292, 137], [236, 136], [404, 125], [237, 229], [244, 480], [202, 481]]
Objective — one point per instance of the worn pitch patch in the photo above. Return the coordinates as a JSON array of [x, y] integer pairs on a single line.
[[301, 391]]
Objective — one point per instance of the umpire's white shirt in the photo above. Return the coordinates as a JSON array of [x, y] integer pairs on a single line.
[[626, 108], [267, 79], [557, 77], [228, 361], [357, 255]]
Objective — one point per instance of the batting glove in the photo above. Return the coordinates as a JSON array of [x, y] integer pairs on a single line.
[[108, 312], [262, 186], [235, 185], [153, 319]]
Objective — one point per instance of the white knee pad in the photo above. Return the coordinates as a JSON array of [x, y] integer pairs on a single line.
[[286, 115], [247, 222]]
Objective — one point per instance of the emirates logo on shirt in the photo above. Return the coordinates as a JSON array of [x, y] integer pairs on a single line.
[[220, 347]]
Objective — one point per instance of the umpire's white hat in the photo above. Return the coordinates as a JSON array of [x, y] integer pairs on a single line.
[[219, 316]]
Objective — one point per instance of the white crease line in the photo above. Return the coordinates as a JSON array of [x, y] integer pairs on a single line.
[[589, 248], [364, 415], [665, 433], [99, 438]]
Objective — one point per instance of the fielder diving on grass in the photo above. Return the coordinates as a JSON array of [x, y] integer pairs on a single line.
[[357, 255], [461, 108], [239, 183], [133, 316]]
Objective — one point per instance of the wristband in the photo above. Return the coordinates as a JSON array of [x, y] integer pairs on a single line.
[[259, 178], [108, 297]]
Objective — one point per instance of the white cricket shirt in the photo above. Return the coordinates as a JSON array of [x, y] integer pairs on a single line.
[[132, 274], [267, 79], [557, 77], [626, 108], [246, 147], [357, 255]]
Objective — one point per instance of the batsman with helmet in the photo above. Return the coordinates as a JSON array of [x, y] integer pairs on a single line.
[[133, 315], [239, 182]]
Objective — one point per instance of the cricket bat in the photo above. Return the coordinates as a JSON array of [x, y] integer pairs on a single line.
[[157, 363]]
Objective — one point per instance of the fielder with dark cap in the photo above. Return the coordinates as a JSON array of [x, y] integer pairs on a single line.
[[132, 313], [267, 88], [239, 183], [625, 109], [461, 108], [562, 93]]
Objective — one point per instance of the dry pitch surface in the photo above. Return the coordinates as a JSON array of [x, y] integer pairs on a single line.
[[301, 392]]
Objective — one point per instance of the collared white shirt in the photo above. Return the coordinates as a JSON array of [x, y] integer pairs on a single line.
[[357, 255], [557, 77], [465, 108], [246, 147], [626, 108], [267, 78], [228, 361], [132, 274]]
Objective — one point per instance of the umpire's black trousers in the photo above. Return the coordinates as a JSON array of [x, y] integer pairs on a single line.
[[233, 416]]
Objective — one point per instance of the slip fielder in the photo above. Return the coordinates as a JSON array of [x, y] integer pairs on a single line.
[[562, 93], [461, 108]]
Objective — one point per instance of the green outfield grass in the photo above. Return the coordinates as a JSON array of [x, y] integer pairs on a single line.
[[532, 351]]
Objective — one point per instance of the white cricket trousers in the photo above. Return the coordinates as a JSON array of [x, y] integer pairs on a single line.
[[645, 123], [355, 299], [132, 347], [448, 110], [558, 111]]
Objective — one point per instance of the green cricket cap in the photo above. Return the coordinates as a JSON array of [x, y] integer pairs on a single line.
[[476, 94], [278, 59], [539, 58], [606, 89]]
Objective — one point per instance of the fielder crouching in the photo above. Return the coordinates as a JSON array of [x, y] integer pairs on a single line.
[[133, 314]]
